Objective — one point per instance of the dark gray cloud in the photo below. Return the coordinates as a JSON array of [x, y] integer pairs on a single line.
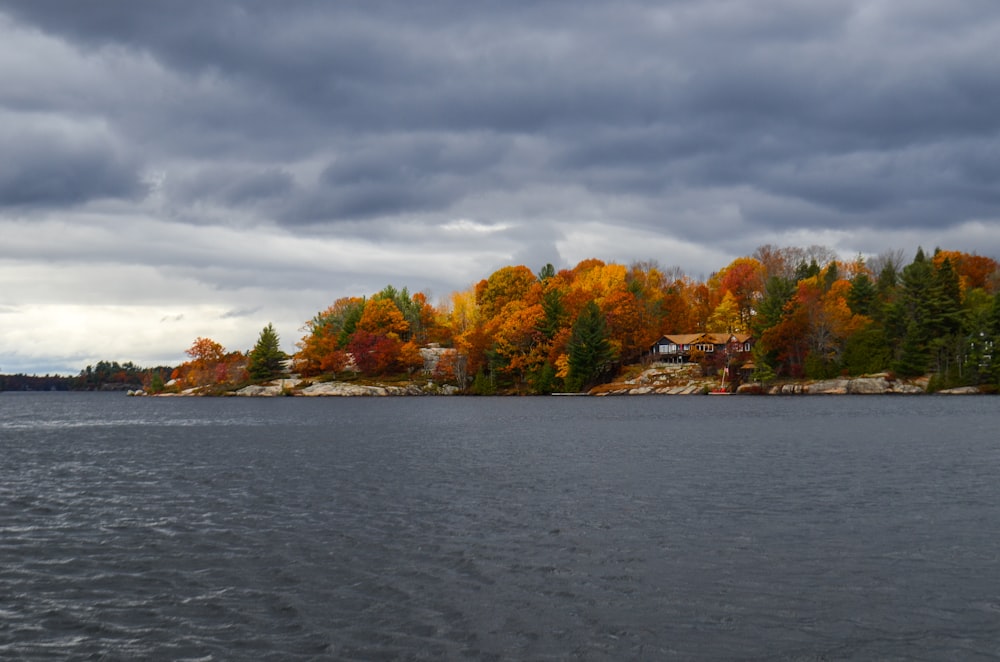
[[223, 142], [230, 186], [821, 102], [57, 165]]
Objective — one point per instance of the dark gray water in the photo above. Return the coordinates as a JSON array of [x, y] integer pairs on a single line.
[[821, 528]]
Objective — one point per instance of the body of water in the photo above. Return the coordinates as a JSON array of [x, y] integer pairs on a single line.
[[642, 528]]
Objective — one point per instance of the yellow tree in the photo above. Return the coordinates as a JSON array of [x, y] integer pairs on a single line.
[[462, 313], [599, 280], [726, 316], [502, 287]]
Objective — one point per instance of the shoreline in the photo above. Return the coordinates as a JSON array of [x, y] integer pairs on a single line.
[[652, 382]]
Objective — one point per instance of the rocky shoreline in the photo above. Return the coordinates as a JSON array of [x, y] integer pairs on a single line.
[[658, 379], [294, 386], [665, 379]]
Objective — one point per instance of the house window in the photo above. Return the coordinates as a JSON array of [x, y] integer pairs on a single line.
[[746, 346]]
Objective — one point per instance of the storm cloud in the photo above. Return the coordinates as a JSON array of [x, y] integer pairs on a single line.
[[217, 153]]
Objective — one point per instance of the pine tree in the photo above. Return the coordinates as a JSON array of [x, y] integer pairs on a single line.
[[947, 299], [862, 296], [912, 317], [590, 353], [830, 276], [266, 356], [867, 351], [777, 293], [804, 270], [913, 353], [555, 313]]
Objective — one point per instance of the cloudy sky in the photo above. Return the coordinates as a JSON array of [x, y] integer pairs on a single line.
[[180, 169]]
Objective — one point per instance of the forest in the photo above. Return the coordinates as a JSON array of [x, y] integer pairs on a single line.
[[102, 376], [811, 316]]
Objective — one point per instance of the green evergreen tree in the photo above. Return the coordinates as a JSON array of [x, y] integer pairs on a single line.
[[763, 365], [483, 384], [887, 287], [947, 327], [913, 355], [555, 313], [947, 299], [911, 320], [804, 270], [349, 323], [862, 297], [830, 276], [266, 356], [590, 353], [543, 380], [867, 351], [778, 292]]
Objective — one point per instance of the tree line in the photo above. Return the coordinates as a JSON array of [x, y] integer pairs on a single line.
[[101, 376], [811, 315]]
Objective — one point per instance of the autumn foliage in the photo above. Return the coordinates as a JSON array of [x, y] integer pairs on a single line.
[[210, 363], [809, 314]]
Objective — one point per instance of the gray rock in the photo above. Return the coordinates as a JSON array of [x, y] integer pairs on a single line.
[[961, 390], [868, 385], [258, 391], [342, 389], [829, 387], [269, 390]]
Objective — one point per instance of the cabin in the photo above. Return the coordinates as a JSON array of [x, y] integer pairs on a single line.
[[678, 348], [725, 353]]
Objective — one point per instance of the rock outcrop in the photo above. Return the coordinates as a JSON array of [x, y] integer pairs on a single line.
[[662, 379], [340, 389], [879, 384], [687, 379], [275, 388], [962, 390]]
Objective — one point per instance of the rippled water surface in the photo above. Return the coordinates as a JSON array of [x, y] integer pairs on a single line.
[[499, 528]]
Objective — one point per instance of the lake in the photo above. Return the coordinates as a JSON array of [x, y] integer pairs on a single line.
[[640, 528]]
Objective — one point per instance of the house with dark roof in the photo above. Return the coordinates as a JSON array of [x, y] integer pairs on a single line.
[[726, 353], [678, 347]]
